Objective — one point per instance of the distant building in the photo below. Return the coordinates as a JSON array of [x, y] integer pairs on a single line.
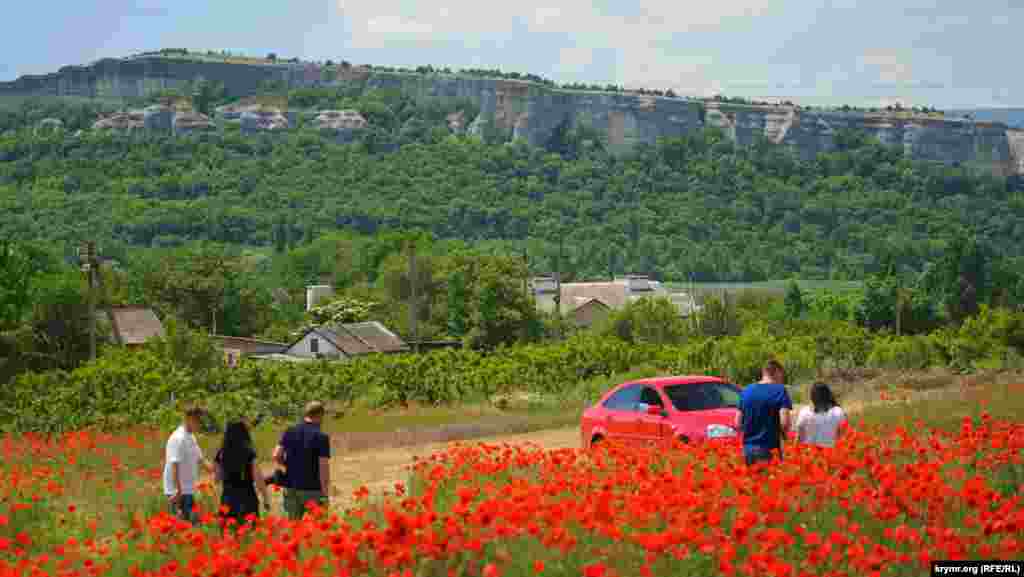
[[132, 326], [317, 293], [237, 348], [586, 302], [587, 312], [340, 342]]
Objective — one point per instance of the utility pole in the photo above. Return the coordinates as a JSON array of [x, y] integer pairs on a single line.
[[526, 273], [558, 286], [899, 307], [87, 255], [526, 290], [413, 303]]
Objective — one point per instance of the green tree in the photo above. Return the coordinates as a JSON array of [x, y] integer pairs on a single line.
[[877, 309], [961, 278], [794, 301], [16, 274], [342, 309], [654, 320], [187, 348], [60, 321], [458, 309], [200, 283], [500, 311]]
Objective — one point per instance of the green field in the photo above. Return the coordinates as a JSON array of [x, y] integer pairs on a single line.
[[772, 287]]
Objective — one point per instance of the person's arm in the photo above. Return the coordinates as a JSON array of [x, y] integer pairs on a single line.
[[738, 422], [176, 480], [785, 413], [261, 484], [279, 454], [218, 468], [325, 466], [843, 423], [174, 450], [204, 461], [801, 425]]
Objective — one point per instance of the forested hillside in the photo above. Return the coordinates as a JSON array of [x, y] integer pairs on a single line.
[[696, 207]]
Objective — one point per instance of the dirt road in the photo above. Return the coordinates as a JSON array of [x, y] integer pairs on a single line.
[[380, 469]]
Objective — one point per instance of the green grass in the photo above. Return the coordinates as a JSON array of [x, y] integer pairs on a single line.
[[1002, 398], [772, 287]]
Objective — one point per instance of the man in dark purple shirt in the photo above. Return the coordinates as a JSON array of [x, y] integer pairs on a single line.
[[764, 414], [305, 453]]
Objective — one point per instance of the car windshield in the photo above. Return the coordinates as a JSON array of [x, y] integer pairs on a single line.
[[703, 396]]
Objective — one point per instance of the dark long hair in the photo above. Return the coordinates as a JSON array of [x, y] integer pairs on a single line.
[[236, 448], [822, 398]]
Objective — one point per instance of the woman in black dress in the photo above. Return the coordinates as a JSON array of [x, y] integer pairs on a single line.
[[237, 472]]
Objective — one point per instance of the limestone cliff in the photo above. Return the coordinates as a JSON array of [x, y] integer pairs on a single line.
[[527, 111]]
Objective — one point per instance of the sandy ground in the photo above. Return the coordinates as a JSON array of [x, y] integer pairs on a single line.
[[379, 469]]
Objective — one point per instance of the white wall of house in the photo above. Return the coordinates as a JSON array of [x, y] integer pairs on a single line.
[[304, 348]]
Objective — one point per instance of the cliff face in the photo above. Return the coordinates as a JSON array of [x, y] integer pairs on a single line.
[[533, 112], [138, 77]]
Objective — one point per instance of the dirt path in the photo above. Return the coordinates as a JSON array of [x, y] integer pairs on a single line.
[[380, 469]]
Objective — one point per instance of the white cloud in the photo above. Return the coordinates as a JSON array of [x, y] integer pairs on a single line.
[[891, 66], [637, 40], [392, 25], [573, 60]]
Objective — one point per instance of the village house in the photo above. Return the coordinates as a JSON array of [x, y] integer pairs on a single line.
[[237, 348], [588, 303], [131, 326], [342, 342]]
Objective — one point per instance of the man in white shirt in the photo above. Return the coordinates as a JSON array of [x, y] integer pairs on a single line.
[[181, 465]]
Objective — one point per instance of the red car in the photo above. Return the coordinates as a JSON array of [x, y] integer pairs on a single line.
[[687, 408]]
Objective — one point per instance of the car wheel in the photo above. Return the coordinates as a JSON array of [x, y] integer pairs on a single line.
[[683, 439], [597, 440]]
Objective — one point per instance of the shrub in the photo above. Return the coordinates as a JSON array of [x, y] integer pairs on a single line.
[[143, 387]]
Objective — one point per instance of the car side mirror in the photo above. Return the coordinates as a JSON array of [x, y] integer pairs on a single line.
[[655, 410]]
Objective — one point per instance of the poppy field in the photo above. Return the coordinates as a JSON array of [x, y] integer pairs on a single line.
[[893, 496]]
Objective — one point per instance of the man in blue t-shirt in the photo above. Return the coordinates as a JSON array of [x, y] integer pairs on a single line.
[[305, 452], [764, 414]]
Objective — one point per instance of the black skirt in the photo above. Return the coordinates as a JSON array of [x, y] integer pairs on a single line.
[[240, 502]]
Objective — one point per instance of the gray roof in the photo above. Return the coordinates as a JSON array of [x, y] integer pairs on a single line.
[[345, 341], [377, 336], [614, 295], [354, 339]]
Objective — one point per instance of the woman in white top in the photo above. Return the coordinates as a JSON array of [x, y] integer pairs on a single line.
[[821, 423]]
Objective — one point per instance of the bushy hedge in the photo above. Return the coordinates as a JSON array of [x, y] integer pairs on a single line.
[[126, 388]]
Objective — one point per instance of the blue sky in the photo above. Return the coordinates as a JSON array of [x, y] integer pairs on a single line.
[[944, 53]]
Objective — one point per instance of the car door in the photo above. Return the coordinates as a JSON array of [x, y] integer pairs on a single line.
[[621, 410], [650, 428]]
